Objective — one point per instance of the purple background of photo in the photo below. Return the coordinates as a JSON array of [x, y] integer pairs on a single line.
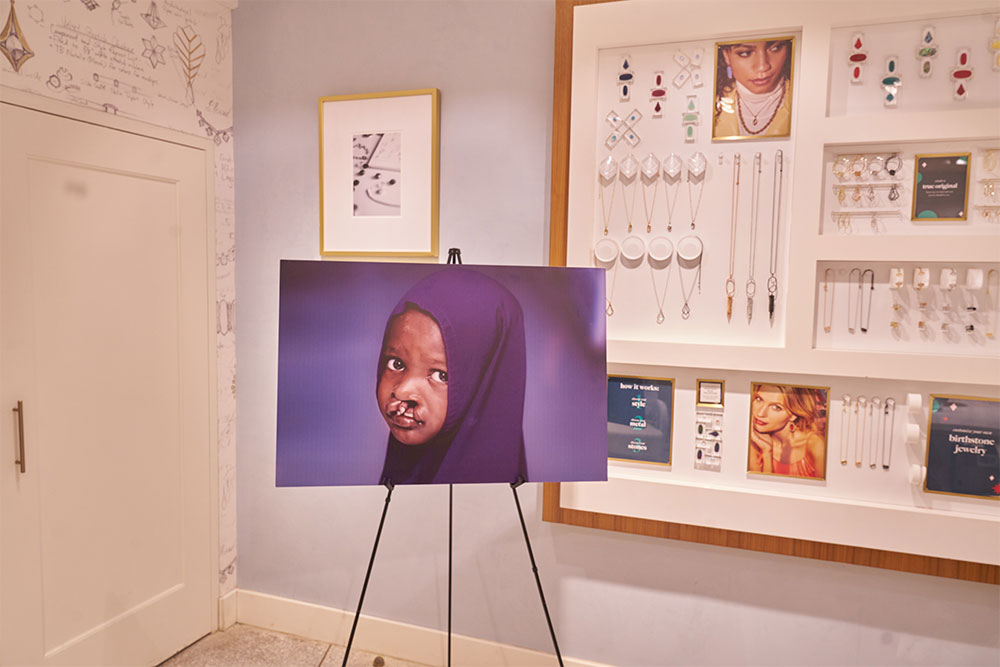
[[330, 324]]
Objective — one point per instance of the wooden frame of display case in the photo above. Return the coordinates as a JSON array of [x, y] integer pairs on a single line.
[[810, 248]]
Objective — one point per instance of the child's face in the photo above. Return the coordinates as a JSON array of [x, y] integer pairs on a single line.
[[412, 387]]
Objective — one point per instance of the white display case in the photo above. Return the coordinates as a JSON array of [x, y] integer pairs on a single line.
[[831, 117]]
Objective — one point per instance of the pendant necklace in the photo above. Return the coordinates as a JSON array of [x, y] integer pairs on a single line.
[[741, 105], [650, 174], [861, 410], [628, 172], [875, 406], [751, 286], [696, 174], [853, 314], [827, 302], [689, 252], [871, 292], [730, 281], [888, 427], [606, 252], [845, 421], [993, 298], [672, 168], [772, 281], [607, 171], [659, 254]]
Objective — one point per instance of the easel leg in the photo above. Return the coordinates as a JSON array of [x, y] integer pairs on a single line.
[[451, 488], [368, 574], [534, 568]]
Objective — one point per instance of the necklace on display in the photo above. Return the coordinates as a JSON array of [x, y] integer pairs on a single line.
[[628, 172], [888, 426], [672, 168], [751, 127], [772, 280], [861, 414], [689, 252], [696, 174], [993, 298], [607, 171], [606, 252], [876, 409], [651, 173], [751, 286], [853, 314], [845, 416], [731, 281], [871, 292], [827, 302], [660, 252]]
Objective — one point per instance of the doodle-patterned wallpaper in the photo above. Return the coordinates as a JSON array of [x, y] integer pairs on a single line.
[[166, 62]]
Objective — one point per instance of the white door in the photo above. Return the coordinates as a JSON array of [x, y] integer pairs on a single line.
[[106, 287]]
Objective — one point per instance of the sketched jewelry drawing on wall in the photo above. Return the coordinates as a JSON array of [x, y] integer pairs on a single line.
[[153, 51], [152, 17], [191, 50], [12, 41]]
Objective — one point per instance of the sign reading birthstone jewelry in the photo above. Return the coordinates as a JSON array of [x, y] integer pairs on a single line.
[[640, 419], [962, 453], [941, 187]]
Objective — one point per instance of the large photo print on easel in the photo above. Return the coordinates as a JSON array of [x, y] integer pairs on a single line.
[[430, 374]]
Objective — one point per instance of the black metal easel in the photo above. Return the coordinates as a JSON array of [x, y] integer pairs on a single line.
[[454, 257]]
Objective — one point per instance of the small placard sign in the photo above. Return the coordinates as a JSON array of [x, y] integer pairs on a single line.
[[640, 419], [941, 187]]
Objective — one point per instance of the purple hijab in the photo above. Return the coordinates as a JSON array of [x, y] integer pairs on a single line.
[[482, 439]]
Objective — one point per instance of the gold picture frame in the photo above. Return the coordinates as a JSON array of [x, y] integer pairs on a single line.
[[703, 401], [927, 445], [669, 433], [803, 405], [918, 174], [726, 107], [379, 164]]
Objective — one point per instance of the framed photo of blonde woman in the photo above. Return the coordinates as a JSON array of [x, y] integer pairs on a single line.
[[753, 88], [788, 430]]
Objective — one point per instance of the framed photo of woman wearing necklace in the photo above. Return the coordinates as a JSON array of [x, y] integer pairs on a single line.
[[788, 430], [753, 88]]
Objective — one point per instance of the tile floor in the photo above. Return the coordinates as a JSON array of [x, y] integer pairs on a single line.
[[247, 646]]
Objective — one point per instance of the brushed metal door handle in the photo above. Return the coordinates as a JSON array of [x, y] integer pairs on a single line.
[[20, 434]]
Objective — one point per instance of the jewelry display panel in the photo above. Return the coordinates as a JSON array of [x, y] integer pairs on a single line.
[[882, 202], [712, 216], [935, 64], [875, 449], [930, 307], [870, 189]]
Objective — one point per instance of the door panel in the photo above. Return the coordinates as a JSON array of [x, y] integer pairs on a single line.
[[105, 294]]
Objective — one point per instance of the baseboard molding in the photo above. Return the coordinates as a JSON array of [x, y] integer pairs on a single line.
[[227, 610], [388, 638]]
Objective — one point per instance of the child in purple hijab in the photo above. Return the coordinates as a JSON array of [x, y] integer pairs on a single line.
[[450, 382]]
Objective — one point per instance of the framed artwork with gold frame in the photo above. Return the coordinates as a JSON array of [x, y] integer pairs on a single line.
[[711, 394], [640, 419], [752, 97], [788, 430], [963, 455], [941, 187], [378, 173]]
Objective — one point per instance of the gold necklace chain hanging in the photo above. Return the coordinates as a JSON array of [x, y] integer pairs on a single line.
[[730, 281], [827, 302], [772, 280], [751, 286]]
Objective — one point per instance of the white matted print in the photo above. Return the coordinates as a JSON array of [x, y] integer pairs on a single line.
[[378, 197]]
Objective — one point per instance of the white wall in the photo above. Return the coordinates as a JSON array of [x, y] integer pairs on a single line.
[[615, 598], [113, 59]]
